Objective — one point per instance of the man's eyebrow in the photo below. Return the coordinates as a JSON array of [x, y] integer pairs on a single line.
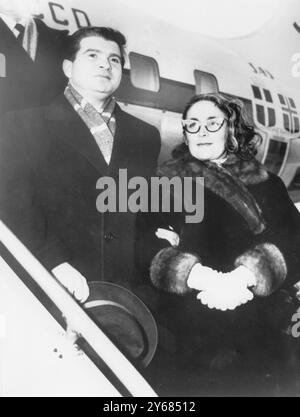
[[98, 50], [91, 50]]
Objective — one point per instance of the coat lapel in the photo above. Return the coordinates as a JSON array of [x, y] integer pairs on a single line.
[[124, 142], [11, 47], [222, 183], [65, 124]]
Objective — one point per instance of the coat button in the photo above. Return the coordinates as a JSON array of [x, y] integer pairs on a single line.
[[109, 236]]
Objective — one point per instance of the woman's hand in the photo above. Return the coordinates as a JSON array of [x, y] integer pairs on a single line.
[[222, 291], [168, 235], [225, 297]]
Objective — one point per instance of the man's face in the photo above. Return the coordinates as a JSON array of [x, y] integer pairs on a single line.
[[97, 68]]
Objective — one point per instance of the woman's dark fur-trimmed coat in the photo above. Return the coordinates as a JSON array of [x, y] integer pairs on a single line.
[[249, 220]]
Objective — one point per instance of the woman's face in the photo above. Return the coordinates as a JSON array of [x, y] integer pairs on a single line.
[[205, 145]]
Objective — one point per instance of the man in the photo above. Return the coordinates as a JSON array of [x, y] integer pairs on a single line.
[[31, 70], [52, 157]]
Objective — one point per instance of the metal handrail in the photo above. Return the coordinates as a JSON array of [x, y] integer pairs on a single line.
[[76, 318]]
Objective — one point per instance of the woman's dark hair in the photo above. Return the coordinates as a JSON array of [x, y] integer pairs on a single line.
[[103, 32], [242, 139]]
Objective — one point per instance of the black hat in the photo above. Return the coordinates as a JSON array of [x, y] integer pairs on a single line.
[[125, 319]]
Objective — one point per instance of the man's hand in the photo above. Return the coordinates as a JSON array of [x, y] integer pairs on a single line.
[[74, 282]]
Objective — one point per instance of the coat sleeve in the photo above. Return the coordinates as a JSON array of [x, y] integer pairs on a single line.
[[274, 256], [167, 266], [275, 260], [20, 206]]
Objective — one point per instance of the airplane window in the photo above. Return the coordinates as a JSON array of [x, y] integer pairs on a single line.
[[260, 114], [296, 125], [275, 156], [290, 116], [281, 99], [172, 95], [295, 184], [268, 96], [292, 103], [272, 118], [144, 72], [205, 82], [286, 122], [269, 118], [256, 92]]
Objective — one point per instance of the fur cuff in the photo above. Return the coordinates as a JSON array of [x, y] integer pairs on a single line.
[[268, 265], [170, 269]]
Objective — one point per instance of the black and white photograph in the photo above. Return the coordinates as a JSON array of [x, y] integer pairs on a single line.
[[150, 201]]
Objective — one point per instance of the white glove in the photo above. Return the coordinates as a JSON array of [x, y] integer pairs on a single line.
[[74, 282], [297, 288], [203, 277], [223, 291], [169, 235], [225, 297]]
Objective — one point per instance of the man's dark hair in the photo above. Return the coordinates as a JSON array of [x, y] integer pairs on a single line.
[[103, 32]]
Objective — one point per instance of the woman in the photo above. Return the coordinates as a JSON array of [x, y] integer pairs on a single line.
[[224, 285]]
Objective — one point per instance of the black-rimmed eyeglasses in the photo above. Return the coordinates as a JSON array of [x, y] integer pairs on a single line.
[[211, 125]]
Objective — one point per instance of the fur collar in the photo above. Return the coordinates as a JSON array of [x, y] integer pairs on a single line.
[[229, 182], [249, 172]]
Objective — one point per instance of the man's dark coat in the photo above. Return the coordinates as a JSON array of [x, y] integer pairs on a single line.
[[31, 83], [49, 166]]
